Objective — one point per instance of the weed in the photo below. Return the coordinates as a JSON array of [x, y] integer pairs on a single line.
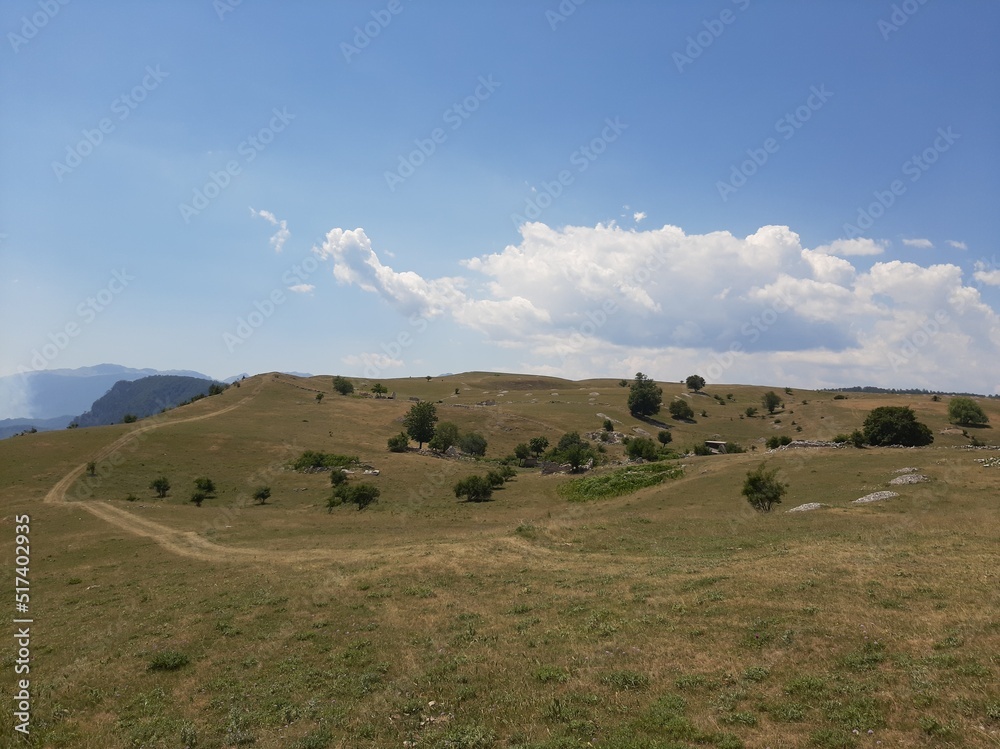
[[626, 680], [167, 660]]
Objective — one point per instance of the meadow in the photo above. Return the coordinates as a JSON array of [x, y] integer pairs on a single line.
[[549, 618]]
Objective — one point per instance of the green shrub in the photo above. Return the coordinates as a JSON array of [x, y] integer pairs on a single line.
[[777, 441], [168, 660], [620, 482], [762, 488], [399, 443], [313, 459]]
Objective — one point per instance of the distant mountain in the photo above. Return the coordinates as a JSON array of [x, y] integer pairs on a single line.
[[10, 427], [142, 397], [51, 393]]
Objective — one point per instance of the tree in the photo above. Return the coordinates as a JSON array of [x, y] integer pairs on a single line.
[[771, 401], [342, 385], [129, 419], [966, 412], [160, 485], [474, 489], [198, 498], [895, 425], [319, 397], [361, 495], [609, 425], [496, 479], [337, 477], [207, 486], [644, 397], [92, 468], [538, 445], [379, 389], [420, 421], [473, 443], [695, 382], [762, 488], [399, 443], [751, 411], [262, 494], [522, 451], [642, 447], [445, 435], [680, 409], [664, 437], [623, 383]]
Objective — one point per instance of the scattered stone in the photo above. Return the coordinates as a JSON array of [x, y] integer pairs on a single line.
[[808, 506], [808, 443], [640, 430], [909, 478], [874, 497], [906, 470]]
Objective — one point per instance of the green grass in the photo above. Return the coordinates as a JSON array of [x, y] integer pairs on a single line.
[[620, 482]]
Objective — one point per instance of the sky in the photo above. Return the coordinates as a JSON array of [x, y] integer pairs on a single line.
[[781, 193]]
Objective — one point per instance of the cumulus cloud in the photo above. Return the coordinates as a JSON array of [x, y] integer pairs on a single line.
[[604, 300], [957, 245], [302, 288], [922, 244], [985, 274], [279, 238], [849, 247], [638, 216]]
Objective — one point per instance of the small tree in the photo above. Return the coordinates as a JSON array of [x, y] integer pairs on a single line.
[[399, 443], [92, 468], [206, 486], [522, 451], [474, 489], [361, 495], [129, 419], [538, 445], [695, 382], [664, 437], [319, 397], [966, 412], [198, 498], [751, 411], [160, 485], [342, 385], [609, 425], [507, 472], [445, 435], [337, 477], [644, 397], [262, 494], [771, 401], [379, 389], [420, 421], [680, 409], [623, 383], [762, 488], [642, 447], [495, 478], [895, 425], [473, 443]]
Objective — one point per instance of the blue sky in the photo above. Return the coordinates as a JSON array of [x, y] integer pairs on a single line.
[[769, 192]]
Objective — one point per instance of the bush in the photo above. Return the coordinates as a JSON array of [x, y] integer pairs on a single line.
[[538, 445], [771, 401], [777, 441], [474, 489], [472, 443], [840, 397], [129, 419], [617, 483], [495, 478], [522, 451], [445, 435], [337, 477], [762, 488], [263, 493], [168, 660], [751, 411], [207, 486], [312, 459], [664, 437], [399, 443], [680, 409], [342, 385], [642, 447], [701, 449], [198, 498], [609, 425], [966, 412], [895, 425], [857, 438], [160, 485]]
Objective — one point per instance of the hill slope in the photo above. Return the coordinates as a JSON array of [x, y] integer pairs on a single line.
[[141, 398]]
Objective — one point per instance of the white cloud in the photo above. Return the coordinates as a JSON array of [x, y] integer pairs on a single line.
[[302, 288], [983, 274], [279, 238], [923, 244], [957, 245], [604, 300], [638, 216], [849, 247]]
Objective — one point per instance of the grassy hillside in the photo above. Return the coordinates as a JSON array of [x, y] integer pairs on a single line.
[[671, 617]]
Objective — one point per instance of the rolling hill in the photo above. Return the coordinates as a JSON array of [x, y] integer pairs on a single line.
[[673, 616]]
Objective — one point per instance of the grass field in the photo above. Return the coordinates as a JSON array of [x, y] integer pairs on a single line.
[[671, 616]]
